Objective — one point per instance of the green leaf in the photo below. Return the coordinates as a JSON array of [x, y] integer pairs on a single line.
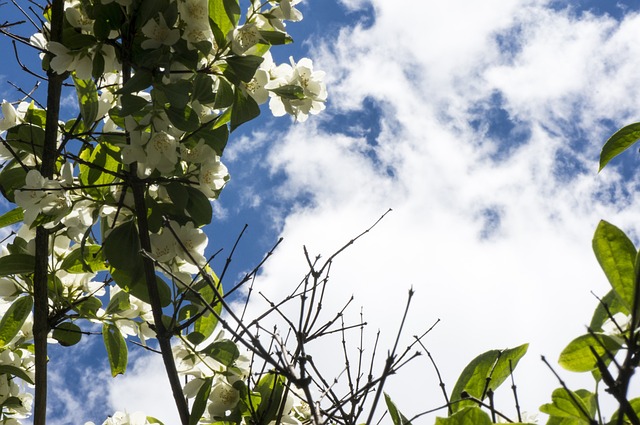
[[178, 194], [17, 264], [224, 96], [487, 371], [87, 99], [203, 90], [122, 247], [470, 415], [14, 216], [185, 118], [198, 207], [116, 349], [118, 303], [635, 406], [132, 104], [12, 178], [271, 388], [15, 371], [88, 307], [200, 402], [600, 314], [85, 259], [214, 136], [276, 37], [139, 81], [579, 405], [290, 91], [224, 351], [396, 416], [177, 93], [577, 356], [67, 334], [26, 138], [616, 254], [244, 67], [225, 15], [14, 318], [134, 283], [621, 140], [244, 109]]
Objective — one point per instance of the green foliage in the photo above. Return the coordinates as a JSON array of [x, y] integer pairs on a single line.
[[116, 346], [579, 356], [67, 334], [621, 140], [485, 373], [14, 318], [271, 388], [396, 416], [579, 406], [17, 264], [617, 255], [469, 415]]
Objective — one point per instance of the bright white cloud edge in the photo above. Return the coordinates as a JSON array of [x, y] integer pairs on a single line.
[[530, 281]]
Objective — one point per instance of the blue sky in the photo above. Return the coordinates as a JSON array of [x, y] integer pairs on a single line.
[[480, 124]]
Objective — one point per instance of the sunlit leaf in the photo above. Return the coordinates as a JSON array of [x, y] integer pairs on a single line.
[[116, 349], [14, 216], [13, 319], [578, 357], [271, 388], [580, 405], [87, 99], [616, 254], [470, 415], [396, 416], [15, 371], [83, 259], [224, 15], [621, 140]]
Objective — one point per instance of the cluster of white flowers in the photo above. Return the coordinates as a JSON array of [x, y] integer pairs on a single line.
[[169, 120]]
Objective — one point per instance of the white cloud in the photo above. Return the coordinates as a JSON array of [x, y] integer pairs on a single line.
[[529, 278], [497, 246]]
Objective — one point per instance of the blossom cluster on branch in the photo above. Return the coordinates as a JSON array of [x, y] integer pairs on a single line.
[[160, 86]]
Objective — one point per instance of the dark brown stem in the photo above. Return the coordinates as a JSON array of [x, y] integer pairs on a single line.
[[40, 277], [138, 188]]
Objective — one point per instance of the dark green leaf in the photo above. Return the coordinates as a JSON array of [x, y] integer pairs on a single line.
[[12, 177], [199, 207], [224, 96], [289, 91], [396, 416], [17, 264], [178, 194], [88, 307], [276, 37], [203, 90], [134, 283], [122, 247], [200, 402], [139, 81], [116, 349], [14, 318], [87, 99], [635, 406], [177, 93], [619, 142], [244, 109], [67, 334], [185, 119], [118, 303], [14, 216], [244, 67], [15, 371], [617, 255], [132, 104]]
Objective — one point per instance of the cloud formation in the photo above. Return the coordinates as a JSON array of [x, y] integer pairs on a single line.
[[480, 124]]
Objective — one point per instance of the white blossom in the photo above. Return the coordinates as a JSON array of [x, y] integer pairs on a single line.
[[158, 33]]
